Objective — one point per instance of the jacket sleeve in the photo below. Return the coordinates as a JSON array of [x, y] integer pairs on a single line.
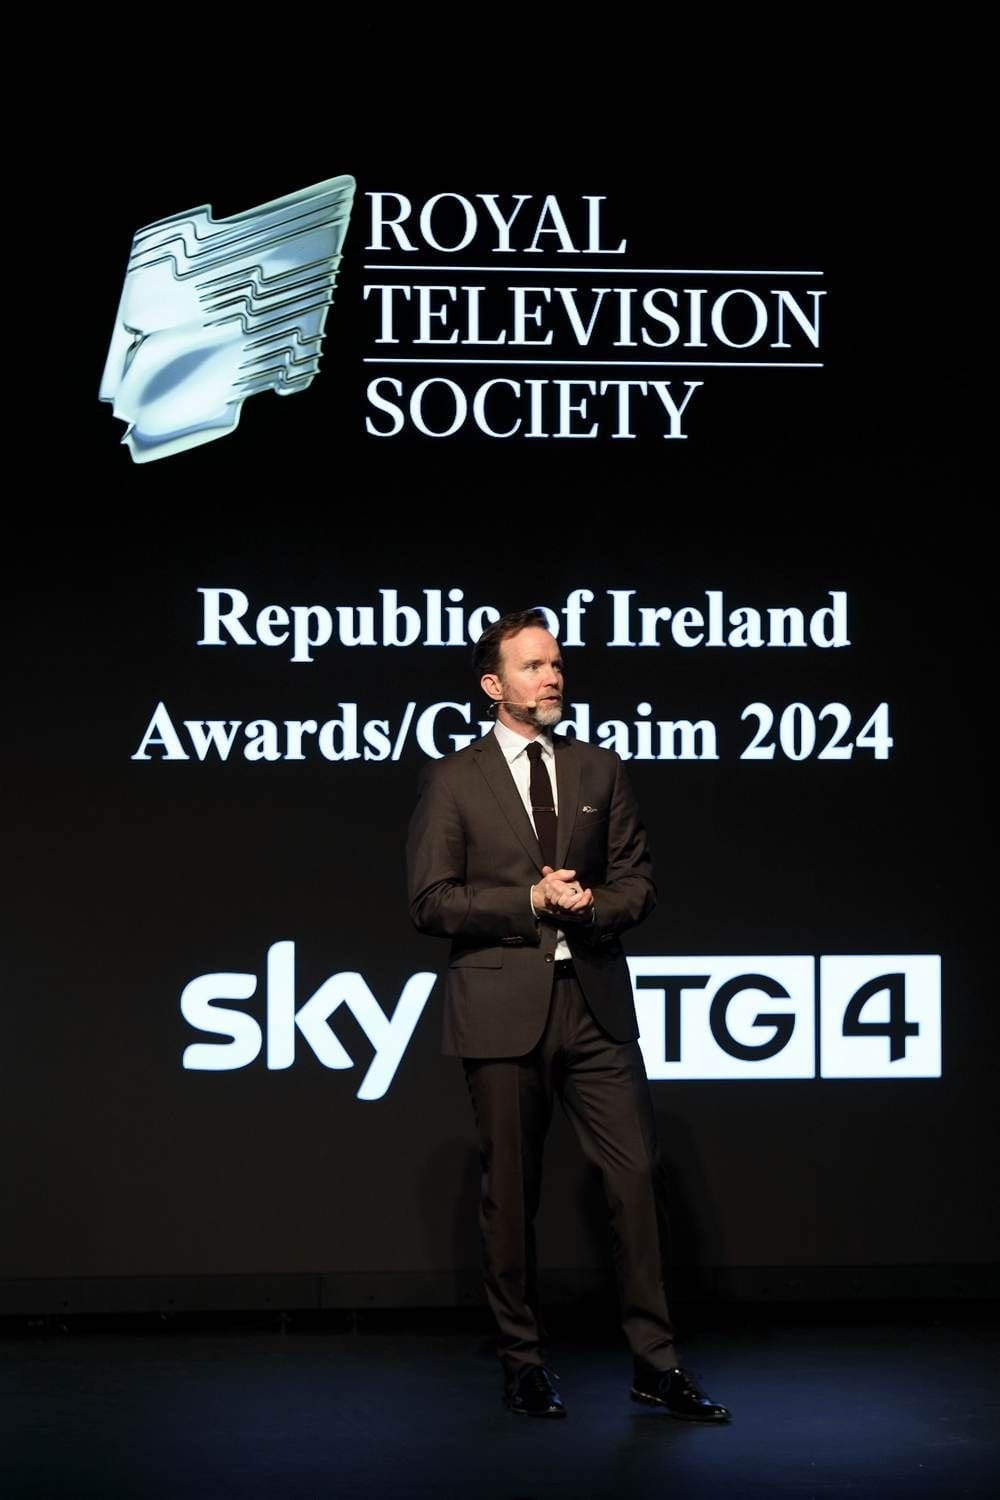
[[442, 904], [627, 894]]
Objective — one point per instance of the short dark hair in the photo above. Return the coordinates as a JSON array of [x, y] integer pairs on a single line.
[[486, 655]]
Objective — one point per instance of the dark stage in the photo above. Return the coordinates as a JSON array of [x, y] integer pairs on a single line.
[[871, 1400], [706, 406]]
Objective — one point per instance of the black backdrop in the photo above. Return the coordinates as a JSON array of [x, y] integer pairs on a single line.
[[130, 878]]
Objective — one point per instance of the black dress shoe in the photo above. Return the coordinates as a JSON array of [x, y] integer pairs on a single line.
[[676, 1391], [529, 1393]]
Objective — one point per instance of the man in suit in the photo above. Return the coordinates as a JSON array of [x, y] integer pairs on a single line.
[[527, 851]]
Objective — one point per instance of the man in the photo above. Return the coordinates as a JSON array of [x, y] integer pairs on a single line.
[[526, 850]]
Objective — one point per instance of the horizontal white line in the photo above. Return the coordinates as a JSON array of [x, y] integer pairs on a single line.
[[588, 269], [623, 364]]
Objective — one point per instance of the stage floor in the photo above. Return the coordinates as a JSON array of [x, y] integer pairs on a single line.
[[849, 1401]]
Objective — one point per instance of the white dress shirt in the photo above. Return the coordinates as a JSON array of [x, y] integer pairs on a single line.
[[515, 753]]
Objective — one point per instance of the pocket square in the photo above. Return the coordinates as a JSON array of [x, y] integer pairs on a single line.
[[587, 808]]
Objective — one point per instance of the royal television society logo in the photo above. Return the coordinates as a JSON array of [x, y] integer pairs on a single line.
[[215, 310]]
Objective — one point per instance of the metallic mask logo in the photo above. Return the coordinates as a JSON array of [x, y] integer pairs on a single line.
[[215, 310]]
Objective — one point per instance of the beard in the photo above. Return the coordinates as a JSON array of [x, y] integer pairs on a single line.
[[542, 716]]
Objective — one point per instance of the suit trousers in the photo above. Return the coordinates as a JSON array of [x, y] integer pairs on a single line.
[[603, 1089]]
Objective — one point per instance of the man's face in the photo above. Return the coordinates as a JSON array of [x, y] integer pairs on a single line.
[[531, 671]]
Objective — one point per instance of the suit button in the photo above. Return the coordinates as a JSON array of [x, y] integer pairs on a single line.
[[548, 958]]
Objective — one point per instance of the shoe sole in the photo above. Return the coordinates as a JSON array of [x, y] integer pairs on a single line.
[[518, 1411], [681, 1416]]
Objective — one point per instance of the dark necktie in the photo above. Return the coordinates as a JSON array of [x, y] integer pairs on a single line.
[[542, 804]]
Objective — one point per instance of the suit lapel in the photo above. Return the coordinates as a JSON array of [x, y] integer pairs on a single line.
[[568, 789], [501, 783]]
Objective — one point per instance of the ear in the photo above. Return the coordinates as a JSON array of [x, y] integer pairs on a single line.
[[490, 684]]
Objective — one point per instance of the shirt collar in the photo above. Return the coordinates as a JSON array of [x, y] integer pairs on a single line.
[[513, 744]]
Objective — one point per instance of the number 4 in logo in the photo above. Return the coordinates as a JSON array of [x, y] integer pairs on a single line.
[[880, 1016], [897, 1028]]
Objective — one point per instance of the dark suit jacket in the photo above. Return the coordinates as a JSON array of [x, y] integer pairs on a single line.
[[472, 855]]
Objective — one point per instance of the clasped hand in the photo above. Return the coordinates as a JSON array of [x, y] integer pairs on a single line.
[[559, 894]]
